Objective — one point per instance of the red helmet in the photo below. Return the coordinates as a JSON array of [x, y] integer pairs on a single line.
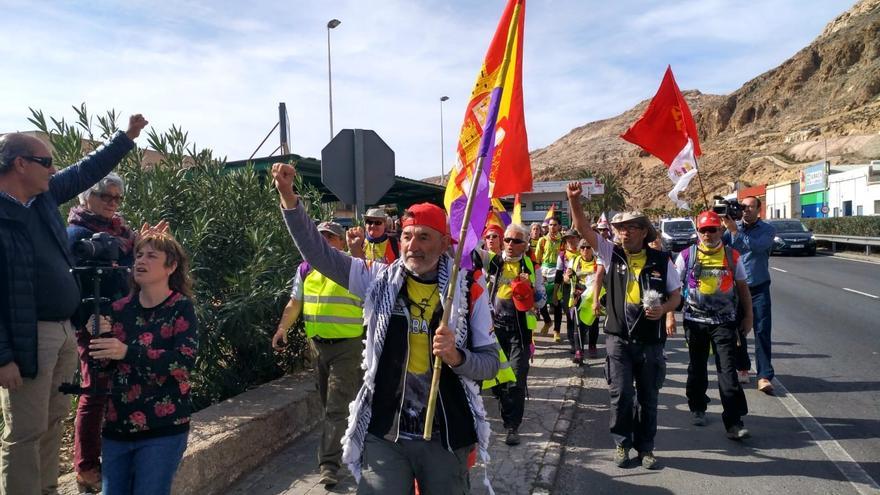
[[708, 219]]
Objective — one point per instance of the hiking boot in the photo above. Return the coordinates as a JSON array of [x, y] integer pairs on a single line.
[[698, 418], [765, 386], [621, 456], [648, 460], [512, 437], [89, 481], [743, 376], [738, 432], [328, 478], [578, 358], [557, 337]]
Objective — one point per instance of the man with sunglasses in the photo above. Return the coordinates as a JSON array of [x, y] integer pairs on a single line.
[[38, 295], [642, 285], [715, 295], [516, 290], [379, 246]]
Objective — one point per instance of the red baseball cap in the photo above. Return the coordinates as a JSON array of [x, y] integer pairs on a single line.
[[426, 215], [495, 228], [523, 295], [708, 219]]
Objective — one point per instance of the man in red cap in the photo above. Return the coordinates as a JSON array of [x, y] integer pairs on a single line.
[[717, 305], [516, 290], [383, 445]]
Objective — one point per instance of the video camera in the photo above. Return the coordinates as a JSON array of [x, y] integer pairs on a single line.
[[728, 208], [99, 256]]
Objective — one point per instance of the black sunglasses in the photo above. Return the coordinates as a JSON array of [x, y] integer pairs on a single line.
[[585, 247], [513, 240], [709, 230], [105, 197], [374, 222], [45, 161]]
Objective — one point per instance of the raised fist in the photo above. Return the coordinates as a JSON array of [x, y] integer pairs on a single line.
[[136, 124], [573, 190]]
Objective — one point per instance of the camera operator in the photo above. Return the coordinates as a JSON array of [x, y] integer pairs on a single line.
[[97, 213], [38, 295], [753, 238]]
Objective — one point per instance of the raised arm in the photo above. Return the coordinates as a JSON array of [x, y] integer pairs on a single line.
[[579, 220], [312, 246]]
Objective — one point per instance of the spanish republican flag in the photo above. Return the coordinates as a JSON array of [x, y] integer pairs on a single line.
[[667, 130], [550, 214], [516, 217], [494, 129]]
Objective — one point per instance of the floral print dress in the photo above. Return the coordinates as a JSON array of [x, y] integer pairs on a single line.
[[150, 394]]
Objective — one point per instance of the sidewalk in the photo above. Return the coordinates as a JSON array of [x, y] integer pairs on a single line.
[[531, 467]]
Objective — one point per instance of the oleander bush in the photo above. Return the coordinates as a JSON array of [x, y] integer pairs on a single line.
[[231, 226]]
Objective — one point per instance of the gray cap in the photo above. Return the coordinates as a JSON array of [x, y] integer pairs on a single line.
[[636, 217], [332, 228], [376, 213], [571, 233]]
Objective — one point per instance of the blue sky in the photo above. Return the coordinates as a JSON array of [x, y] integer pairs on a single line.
[[219, 68]]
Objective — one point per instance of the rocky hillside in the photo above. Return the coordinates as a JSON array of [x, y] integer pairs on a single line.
[[826, 95]]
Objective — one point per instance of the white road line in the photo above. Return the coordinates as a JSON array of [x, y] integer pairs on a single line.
[[842, 258], [872, 296], [851, 470], [778, 269]]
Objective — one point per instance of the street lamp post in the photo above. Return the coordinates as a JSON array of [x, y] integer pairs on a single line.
[[330, 25], [442, 159]]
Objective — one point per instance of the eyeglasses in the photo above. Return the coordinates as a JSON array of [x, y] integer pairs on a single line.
[[107, 198], [491, 236], [514, 240], [374, 222], [709, 230], [629, 227], [45, 161]]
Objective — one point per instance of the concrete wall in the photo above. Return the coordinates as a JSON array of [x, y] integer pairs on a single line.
[[852, 188], [783, 200]]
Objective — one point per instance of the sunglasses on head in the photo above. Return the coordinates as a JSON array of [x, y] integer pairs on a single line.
[[45, 161], [514, 240], [709, 230], [374, 222]]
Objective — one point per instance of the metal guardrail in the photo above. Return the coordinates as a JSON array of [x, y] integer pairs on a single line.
[[848, 239]]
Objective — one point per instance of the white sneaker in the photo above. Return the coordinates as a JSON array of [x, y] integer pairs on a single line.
[[743, 376]]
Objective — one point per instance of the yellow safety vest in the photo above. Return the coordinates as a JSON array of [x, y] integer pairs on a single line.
[[329, 310]]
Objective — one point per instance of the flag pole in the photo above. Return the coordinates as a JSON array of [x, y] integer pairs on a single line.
[[453, 279], [448, 295], [700, 177]]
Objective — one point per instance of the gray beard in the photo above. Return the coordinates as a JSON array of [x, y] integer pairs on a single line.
[[712, 246]]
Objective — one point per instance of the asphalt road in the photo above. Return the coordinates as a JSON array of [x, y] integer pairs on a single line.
[[826, 357]]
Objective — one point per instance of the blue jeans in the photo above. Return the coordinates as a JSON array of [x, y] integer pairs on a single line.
[[763, 324], [141, 467]]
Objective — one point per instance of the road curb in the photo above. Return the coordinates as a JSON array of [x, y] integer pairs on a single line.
[[550, 463]]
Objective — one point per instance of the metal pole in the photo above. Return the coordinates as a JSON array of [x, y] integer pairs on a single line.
[[330, 25], [282, 122], [442, 159]]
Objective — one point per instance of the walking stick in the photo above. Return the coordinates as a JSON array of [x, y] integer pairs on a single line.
[[447, 298]]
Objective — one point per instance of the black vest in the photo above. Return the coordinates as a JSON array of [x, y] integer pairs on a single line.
[[652, 276]]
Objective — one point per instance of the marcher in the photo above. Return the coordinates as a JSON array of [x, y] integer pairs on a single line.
[[567, 254], [642, 285], [37, 341], [333, 319], [753, 238], [516, 289], [547, 255], [581, 277], [715, 293], [383, 446], [152, 354], [492, 235], [379, 246], [97, 212]]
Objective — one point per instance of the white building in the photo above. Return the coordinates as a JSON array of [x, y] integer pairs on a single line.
[[855, 192], [783, 200], [543, 195]]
